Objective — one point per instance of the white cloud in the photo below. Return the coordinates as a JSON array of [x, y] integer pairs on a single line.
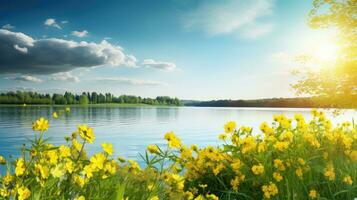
[[167, 66], [80, 33], [8, 26], [26, 78], [52, 22], [64, 22], [20, 49], [130, 60], [241, 17], [49, 56], [64, 76], [129, 81]]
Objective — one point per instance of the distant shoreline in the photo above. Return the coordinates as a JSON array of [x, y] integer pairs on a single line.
[[87, 105]]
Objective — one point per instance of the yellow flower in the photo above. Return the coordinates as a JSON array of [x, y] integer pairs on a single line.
[[64, 151], [23, 193], [281, 146], [69, 166], [88, 171], [173, 141], [277, 176], [222, 136], [68, 109], [98, 160], [43, 170], [54, 115], [230, 127], [301, 161], [20, 166], [348, 180], [79, 180], [154, 198], [134, 165], [58, 171], [299, 172], [40, 125], [270, 190], [211, 197], [153, 149], [330, 173], [78, 146], [86, 133], [258, 169], [313, 194], [80, 198], [108, 148], [279, 165], [7, 178], [2, 160]]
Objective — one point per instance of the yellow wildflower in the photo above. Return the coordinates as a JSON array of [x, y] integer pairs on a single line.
[[98, 160], [154, 198], [258, 169], [108, 148], [20, 166], [23, 193], [2, 160], [80, 198], [348, 180], [86, 133], [313, 194], [330, 173], [230, 127], [299, 172], [277, 176], [54, 115], [58, 171], [40, 125], [270, 190], [64, 151], [153, 149], [211, 197], [279, 164], [173, 141], [68, 109], [281, 146], [43, 170]]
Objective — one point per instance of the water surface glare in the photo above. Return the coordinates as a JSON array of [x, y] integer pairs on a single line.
[[131, 129]]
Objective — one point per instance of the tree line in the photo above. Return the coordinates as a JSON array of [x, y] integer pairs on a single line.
[[273, 102], [24, 97]]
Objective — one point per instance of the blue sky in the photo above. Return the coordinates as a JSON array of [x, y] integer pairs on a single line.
[[191, 49]]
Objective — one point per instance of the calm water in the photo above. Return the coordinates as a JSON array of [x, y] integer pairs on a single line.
[[131, 129]]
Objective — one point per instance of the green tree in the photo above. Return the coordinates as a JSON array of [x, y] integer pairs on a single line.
[[337, 85], [83, 99]]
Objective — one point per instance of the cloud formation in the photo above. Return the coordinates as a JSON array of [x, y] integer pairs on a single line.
[[80, 33], [8, 26], [52, 22], [129, 81], [64, 76], [231, 17], [167, 66], [26, 78], [20, 53]]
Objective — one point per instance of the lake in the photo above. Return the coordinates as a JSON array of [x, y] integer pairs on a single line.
[[131, 129]]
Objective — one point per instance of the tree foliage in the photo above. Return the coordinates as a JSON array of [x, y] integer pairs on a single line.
[[335, 85], [20, 97]]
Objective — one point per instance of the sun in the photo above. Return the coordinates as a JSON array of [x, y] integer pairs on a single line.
[[326, 51]]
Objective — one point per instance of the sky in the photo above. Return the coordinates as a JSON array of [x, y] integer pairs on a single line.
[[190, 49]]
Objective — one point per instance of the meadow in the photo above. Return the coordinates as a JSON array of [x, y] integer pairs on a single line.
[[286, 159]]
